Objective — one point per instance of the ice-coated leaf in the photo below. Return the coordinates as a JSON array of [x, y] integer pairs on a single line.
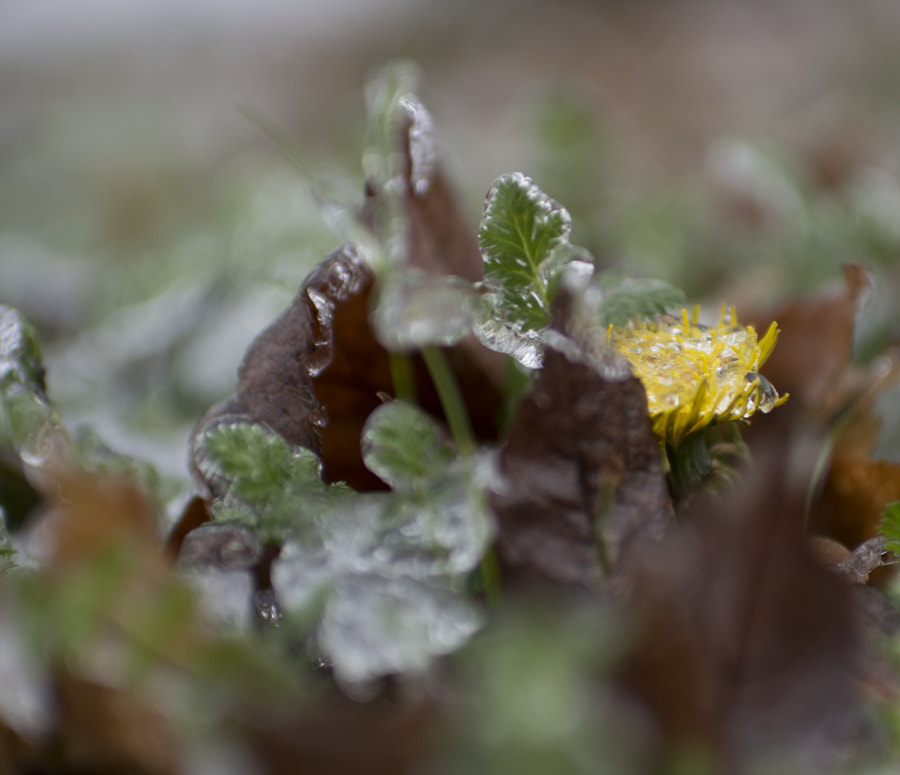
[[254, 463], [375, 626], [404, 446], [523, 236], [628, 297], [444, 532], [385, 95], [260, 480], [28, 420], [301, 576], [526, 347], [416, 309], [20, 355], [7, 552]]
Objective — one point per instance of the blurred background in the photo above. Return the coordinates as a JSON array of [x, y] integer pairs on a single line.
[[149, 229]]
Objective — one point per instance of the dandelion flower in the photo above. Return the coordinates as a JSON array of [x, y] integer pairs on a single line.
[[697, 376]]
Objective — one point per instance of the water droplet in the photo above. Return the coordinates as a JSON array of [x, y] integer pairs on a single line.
[[265, 604]]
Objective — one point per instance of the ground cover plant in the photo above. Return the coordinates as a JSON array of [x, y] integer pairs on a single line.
[[480, 502]]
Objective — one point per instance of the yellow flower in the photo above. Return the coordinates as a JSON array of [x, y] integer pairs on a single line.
[[696, 376]]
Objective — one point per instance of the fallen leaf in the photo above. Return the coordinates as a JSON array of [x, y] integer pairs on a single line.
[[337, 736], [816, 342], [584, 478], [745, 646]]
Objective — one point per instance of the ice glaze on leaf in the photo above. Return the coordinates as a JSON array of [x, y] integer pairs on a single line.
[[584, 479], [253, 464], [628, 297], [403, 446], [28, 419], [376, 626], [416, 309], [522, 234], [20, 355]]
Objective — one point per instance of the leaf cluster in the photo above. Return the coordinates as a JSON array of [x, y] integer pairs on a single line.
[[362, 516]]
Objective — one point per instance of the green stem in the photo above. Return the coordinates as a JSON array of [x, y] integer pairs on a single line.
[[490, 578], [689, 465], [451, 399], [403, 377], [461, 430]]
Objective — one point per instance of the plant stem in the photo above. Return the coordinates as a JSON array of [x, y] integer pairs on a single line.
[[689, 465], [461, 430], [451, 399], [403, 377]]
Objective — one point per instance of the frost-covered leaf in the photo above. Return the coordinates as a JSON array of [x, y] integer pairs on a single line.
[[7, 552], [421, 542], [524, 239], [302, 576], [628, 297], [385, 95], [527, 347], [375, 626], [30, 422], [20, 354], [444, 532], [28, 419], [404, 446], [260, 480], [416, 309], [255, 463]]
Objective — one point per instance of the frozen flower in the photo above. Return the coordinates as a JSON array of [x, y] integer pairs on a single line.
[[696, 376]]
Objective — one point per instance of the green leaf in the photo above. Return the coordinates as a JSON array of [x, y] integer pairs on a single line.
[[20, 355], [889, 527], [627, 297], [7, 552], [404, 446], [264, 482], [28, 419], [255, 465], [522, 236]]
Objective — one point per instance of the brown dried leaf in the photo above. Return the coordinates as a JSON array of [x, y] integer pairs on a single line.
[[855, 495], [92, 515], [746, 646], [336, 736], [107, 729], [584, 477], [439, 239], [816, 342]]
